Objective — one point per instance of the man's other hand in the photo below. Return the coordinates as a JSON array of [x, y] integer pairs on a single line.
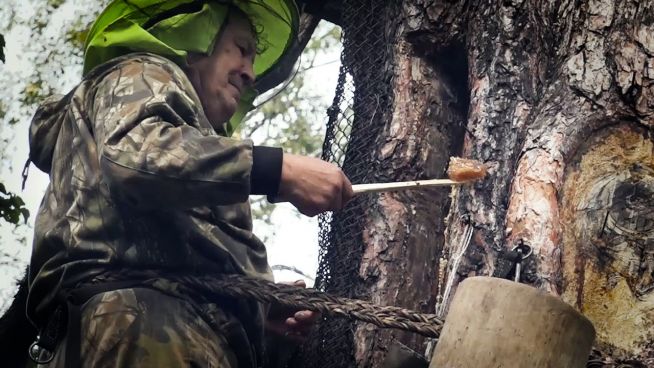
[[312, 185], [291, 324]]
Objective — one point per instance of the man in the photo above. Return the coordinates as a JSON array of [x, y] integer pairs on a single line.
[[145, 184]]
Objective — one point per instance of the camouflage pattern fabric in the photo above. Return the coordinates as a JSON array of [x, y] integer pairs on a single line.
[[145, 328], [139, 181]]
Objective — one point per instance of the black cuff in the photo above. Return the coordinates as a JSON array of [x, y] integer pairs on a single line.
[[266, 170]]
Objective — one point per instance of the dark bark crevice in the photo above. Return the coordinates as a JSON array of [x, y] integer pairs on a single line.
[[450, 62]]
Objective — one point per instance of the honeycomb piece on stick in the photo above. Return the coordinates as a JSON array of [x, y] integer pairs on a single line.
[[462, 169]]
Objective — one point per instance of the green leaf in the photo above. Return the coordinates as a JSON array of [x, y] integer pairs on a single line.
[[12, 207], [26, 214], [13, 217]]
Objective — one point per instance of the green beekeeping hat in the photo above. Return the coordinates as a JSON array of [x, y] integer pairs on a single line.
[[173, 28]]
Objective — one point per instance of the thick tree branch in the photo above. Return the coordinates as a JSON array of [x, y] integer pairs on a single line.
[[328, 10]]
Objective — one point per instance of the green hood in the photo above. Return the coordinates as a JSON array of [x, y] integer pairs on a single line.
[[173, 28]]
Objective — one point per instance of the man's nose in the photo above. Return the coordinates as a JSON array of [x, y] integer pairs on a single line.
[[247, 73]]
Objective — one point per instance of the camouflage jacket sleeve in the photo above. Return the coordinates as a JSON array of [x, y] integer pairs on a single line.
[[156, 148]]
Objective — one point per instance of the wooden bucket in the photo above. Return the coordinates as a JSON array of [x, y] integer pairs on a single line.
[[496, 323]]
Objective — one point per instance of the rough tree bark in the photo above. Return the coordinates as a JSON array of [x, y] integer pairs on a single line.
[[558, 101], [403, 232]]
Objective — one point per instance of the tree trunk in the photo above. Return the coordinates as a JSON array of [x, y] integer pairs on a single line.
[[557, 98], [403, 231]]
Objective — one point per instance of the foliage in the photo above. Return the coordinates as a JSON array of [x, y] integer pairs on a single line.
[[51, 60], [12, 206]]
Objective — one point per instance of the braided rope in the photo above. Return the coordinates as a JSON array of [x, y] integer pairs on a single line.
[[310, 299]]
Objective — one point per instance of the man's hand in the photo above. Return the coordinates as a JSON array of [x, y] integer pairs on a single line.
[[292, 324], [312, 185]]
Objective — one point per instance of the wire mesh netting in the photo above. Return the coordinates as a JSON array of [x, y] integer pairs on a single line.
[[356, 118]]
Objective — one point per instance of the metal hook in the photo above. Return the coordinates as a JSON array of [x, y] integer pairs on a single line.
[[523, 248], [524, 251], [40, 355]]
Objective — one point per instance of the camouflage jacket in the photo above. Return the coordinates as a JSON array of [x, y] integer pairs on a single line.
[[139, 180]]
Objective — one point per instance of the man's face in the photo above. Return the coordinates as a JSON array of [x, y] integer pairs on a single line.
[[221, 78]]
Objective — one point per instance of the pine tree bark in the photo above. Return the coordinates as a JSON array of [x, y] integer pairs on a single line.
[[557, 98], [403, 231]]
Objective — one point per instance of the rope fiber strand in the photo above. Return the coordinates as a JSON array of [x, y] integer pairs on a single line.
[[310, 299]]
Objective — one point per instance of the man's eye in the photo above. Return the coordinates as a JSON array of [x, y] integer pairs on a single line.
[[242, 49]]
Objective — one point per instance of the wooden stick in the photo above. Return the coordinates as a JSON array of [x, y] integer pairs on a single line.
[[385, 187]]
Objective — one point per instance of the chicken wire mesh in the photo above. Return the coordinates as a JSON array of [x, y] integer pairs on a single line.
[[356, 117]]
